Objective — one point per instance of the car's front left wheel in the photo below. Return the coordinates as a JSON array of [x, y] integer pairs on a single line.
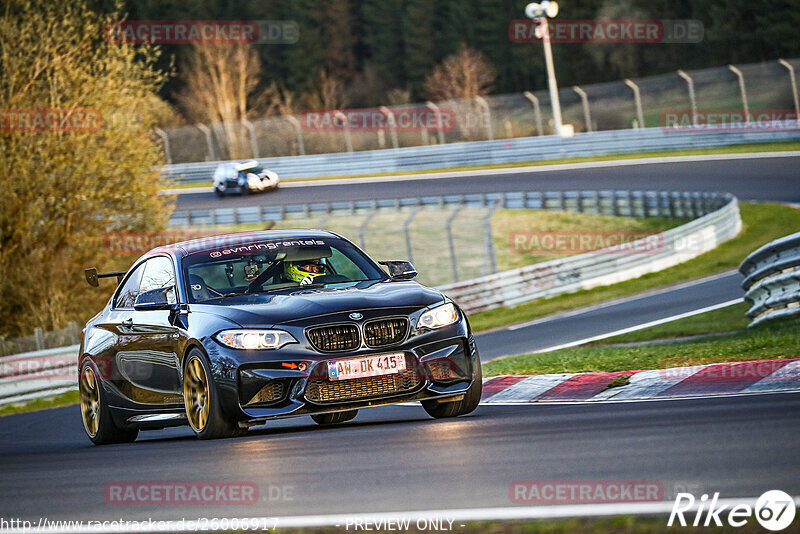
[[97, 420], [201, 400]]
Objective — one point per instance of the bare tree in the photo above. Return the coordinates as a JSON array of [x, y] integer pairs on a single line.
[[220, 80], [327, 92], [465, 74], [274, 100]]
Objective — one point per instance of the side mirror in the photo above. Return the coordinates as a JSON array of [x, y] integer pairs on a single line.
[[162, 298], [400, 270]]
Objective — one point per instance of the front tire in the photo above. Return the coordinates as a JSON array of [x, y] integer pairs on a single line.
[[97, 420], [201, 400], [219, 192], [334, 418], [466, 405]]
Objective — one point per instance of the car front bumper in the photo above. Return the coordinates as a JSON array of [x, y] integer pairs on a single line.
[[255, 386]]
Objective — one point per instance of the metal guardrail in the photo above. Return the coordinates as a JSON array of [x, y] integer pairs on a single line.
[[486, 152], [607, 202], [39, 374], [584, 271], [772, 280]]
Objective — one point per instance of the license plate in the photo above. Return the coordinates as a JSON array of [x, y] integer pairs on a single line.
[[366, 366]]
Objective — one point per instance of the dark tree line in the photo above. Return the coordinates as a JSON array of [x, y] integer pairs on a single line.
[[374, 46]]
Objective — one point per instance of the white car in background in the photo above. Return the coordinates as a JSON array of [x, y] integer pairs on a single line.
[[243, 178]]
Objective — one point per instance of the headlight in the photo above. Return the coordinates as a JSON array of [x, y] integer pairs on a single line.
[[255, 339], [439, 316]]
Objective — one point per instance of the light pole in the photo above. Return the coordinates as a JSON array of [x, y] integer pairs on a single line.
[[539, 13]]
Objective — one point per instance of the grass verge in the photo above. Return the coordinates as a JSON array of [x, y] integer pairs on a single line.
[[729, 319], [762, 223], [65, 399], [730, 149], [763, 342]]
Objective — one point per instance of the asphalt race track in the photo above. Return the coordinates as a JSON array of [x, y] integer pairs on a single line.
[[609, 317], [775, 178], [397, 458]]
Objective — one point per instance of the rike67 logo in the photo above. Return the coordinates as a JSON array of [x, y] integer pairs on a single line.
[[774, 510]]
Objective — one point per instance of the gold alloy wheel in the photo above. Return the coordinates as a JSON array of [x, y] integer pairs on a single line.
[[196, 395], [90, 401]]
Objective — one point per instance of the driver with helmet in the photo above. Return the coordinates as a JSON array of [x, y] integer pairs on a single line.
[[303, 272]]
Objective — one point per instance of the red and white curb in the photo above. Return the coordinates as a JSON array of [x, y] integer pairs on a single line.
[[763, 376]]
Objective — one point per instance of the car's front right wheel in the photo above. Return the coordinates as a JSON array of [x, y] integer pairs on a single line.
[[449, 408], [201, 400]]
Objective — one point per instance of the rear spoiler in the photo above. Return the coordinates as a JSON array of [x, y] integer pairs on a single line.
[[92, 276]]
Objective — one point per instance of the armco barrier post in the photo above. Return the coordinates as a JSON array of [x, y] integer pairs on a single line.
[[487, 116], [692, 101], [38, 335], [637, 99], [165, 141], [536, 111], [407, 233], [212, 155], [742, 90], [587, 114], [794, 87], [298, 131], [252, 131], [451, 243]]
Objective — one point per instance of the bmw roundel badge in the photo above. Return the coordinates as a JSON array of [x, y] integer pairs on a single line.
[[356, 316]]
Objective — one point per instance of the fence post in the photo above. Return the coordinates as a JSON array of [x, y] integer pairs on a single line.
[[487, 116], [407, 233], [742, 90], [536, 111], [301, 147], [74, 331], [362, 230], [390, 120], [165, 141], [490, 255], [38, 335], [252, 131], [451, 243], [439, 129], [212, 154], [587, 115], [637, 98], [347, 139], [692, 101], [794, 88]]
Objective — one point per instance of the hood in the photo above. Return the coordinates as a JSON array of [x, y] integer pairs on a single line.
[[295, 304]]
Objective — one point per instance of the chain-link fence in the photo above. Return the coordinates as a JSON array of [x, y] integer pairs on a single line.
[[41, 340], [607, 106]]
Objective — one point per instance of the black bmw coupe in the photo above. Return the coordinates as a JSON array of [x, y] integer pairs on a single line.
[[228, 332]]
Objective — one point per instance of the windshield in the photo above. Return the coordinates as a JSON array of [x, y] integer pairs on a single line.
[[263, 266]]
